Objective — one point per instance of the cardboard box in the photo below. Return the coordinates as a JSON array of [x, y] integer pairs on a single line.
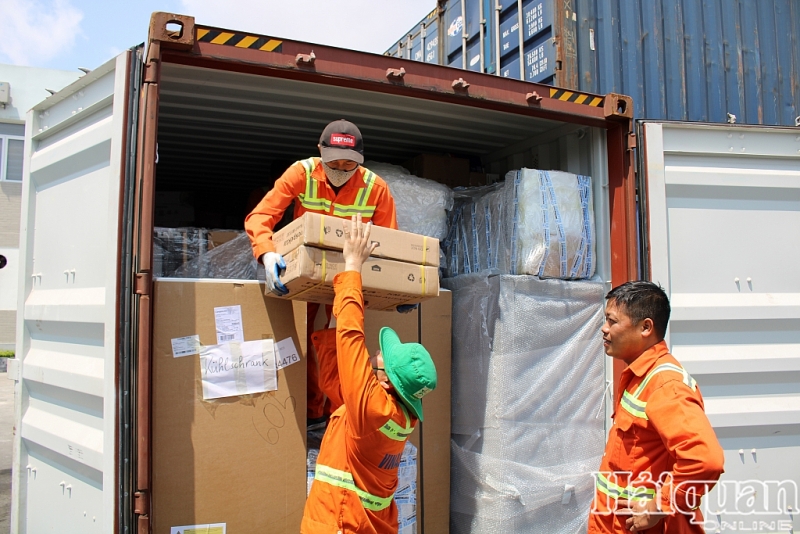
[[431, 325], [239, 460], [443, 169], [220, 237], [386, 283], [242, 460], [323, 231]]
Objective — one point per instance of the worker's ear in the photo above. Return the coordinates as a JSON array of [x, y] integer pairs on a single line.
[[648, 328]]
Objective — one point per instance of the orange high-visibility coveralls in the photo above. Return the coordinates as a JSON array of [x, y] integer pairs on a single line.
[[660, 446], [305, 184], [356, 473]]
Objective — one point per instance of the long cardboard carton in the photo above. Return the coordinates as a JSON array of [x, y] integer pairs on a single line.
[[242, 460], [386, 283], [323, 231]]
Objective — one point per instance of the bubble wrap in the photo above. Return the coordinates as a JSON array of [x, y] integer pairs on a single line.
[[527, 398], [421, 204], [535, 222], [232, 260]]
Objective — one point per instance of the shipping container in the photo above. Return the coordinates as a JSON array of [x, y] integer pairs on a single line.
[[208, 112], [700, 61]]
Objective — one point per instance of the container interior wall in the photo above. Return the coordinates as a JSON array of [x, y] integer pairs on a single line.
[[225, 137]]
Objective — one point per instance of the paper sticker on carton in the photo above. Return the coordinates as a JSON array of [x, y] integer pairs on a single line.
[[229, 324], [185, 346], [233, 369], [215, 528], [286, 353]]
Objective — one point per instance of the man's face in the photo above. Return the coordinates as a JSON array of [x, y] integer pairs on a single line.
[[342, 164], [623, 339], [379, 371]]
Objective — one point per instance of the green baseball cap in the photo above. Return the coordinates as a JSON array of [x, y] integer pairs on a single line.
[[409, 367]]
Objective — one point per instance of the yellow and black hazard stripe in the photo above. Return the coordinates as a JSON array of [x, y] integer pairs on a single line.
[[239, 40], [578, 98]]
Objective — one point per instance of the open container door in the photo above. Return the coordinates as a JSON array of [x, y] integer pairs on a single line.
[[723, 239], [71, 348]]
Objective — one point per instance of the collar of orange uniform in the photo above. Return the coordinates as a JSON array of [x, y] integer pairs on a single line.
[[647, 360]]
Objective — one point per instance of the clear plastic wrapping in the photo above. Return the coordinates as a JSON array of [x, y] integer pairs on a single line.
[[232, 260], [421, 204], [527, 394], [202, 253], [535, 222]]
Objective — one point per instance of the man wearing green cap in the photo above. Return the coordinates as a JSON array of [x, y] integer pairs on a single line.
[[356, 474]]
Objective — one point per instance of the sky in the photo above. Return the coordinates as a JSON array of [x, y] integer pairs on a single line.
[[67, 34]]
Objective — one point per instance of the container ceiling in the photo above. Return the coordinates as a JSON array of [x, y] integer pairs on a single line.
[[219, 126]]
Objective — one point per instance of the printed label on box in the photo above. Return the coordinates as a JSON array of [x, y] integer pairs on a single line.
[[215, 528], [286, 353], [185, 346], [229, 324]]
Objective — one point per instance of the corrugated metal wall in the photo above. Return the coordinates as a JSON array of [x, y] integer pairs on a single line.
[[694, 60]]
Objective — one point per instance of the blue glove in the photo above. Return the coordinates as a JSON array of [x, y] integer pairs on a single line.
[[275, 266], [407, 308]]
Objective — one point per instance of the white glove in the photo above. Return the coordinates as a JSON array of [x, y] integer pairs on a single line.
[[274, 267]]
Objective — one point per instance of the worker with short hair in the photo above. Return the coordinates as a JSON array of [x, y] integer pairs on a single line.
[[662, 454], [356, 474], [333, 184]]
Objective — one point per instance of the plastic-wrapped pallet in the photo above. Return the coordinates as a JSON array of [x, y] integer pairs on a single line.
[[535, 222], [421, 204], [232, 260], [173, 247], [527, 392], [551, 224]]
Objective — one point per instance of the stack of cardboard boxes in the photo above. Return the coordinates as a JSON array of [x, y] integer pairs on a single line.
[[404, 268], [241, 460]]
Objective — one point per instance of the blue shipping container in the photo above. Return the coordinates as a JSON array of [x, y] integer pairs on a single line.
[[693, 60]]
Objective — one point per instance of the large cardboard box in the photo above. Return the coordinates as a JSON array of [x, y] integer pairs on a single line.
[[386, 283], [431, 325], [240, 460], [323, 231]]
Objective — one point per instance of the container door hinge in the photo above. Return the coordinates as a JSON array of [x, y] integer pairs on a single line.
[[141, 503], [143, 283], [631, 140]]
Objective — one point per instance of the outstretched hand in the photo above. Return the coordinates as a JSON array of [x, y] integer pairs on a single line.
[[357, 247]]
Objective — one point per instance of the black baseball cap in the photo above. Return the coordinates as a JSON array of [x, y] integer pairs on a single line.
[[341, 140]]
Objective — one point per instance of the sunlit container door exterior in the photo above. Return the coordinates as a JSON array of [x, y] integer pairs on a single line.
[[723, 213], [66, 446]]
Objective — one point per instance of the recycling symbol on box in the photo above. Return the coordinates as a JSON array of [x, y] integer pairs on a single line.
[[339, 232], [411, 277]]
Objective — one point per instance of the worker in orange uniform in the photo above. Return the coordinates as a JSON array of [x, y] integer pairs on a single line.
[[334, 184], [662, 454], [356, 474]]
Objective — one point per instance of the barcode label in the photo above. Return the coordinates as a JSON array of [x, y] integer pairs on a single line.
[[226, 337]]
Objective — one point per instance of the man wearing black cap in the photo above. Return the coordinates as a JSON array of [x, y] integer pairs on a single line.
[[334, 184]]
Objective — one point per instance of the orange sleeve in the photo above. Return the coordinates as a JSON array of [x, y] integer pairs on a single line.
[[677, 415], [260, 222], [325, 344], [366, 402], [385, 211]]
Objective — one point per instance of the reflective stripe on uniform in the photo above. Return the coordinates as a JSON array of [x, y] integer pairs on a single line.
[[396, 432], [631, 403], [310, 200], [344, 480], [631, 493]]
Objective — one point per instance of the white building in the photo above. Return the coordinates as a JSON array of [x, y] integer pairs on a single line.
[[20, 89]]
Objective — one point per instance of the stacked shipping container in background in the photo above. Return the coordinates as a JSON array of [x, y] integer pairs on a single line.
[[689, 60]]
